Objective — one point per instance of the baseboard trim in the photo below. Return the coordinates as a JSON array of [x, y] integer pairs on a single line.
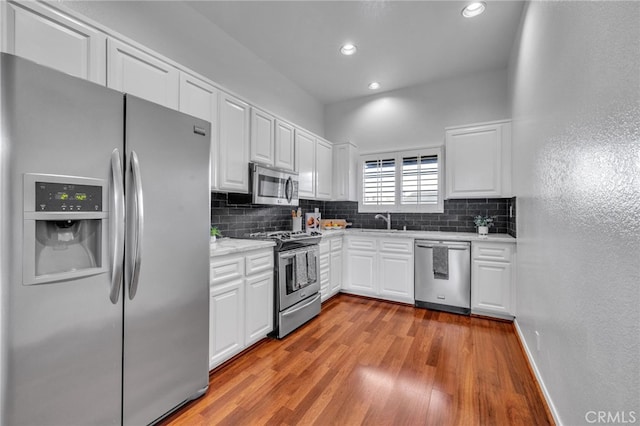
[[534, 369]]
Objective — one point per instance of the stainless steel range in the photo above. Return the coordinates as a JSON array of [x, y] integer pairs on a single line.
[[297, 279]]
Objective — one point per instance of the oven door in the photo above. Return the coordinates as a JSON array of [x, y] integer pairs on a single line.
[[298, 275], [273, 187]]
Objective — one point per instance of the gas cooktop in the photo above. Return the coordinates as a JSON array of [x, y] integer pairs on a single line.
[[286, 240]]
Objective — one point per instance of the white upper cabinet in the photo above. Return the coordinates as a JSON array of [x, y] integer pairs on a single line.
[[133, 71], [345, 168], [41, 34], [262, 137], [478, 160], [200, 99], [233, 140], [306, 163], [324, 169], [285, 146]]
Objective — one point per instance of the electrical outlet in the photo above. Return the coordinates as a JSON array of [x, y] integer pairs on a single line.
[[538, 341]]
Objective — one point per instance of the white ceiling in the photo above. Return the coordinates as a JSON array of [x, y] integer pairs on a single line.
[[400, 43]]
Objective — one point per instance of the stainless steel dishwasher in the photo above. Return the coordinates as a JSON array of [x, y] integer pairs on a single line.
[[443, 275]]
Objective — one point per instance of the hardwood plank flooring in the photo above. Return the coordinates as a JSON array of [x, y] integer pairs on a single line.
[[370, 362]]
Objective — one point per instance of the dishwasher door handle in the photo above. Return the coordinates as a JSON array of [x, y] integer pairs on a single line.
[[450, 248]]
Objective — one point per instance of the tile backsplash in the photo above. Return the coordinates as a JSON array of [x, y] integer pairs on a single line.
[[235, 219]]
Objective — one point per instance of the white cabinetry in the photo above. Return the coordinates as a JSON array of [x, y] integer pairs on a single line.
[[305, 163], [330, 266], [262, 137], [380, 267], [133, 71], [272, 140], [478, 160], [44, 35], [285, 146], [324, 169], [241, 303], [345, 167], [492, 279], [233, 140], [200, 99]]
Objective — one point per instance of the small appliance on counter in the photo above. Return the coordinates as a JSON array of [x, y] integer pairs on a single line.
[[312, 221]]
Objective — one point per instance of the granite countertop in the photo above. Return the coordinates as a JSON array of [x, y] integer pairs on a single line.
[[427, 235], [224, 246]]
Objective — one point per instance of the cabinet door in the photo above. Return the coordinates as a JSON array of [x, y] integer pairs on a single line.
[[476, 161], [491, 287], [262, 137], [200, 99], [48, 37], [344, 172], [259, 307], [325, 275], [133, 71], [324, 170], [226, 321], [361, 273], [396, 277], [306, 164], [233, 140], [285, 143], [336, 272]]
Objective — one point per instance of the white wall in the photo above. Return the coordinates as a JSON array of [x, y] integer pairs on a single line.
[[576, 111], [416, 116], [175, 30]]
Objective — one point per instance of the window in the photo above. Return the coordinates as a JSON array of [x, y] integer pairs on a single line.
[[407, 181]]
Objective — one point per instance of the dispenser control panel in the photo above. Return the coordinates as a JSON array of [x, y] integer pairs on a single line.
[[64, 197]]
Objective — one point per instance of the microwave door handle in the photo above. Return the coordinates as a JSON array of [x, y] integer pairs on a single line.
[[288, 189]]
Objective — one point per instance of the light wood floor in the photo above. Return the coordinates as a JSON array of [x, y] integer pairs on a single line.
[[370, 362]]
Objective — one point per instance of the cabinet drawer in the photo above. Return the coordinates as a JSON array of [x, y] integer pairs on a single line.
[[396, 246], [226, 270], [362, 243], [495, 252], [336, 243], [259, 262]]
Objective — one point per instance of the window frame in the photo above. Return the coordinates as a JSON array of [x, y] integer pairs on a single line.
[[398, 157]]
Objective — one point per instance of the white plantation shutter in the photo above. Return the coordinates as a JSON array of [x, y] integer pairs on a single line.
[[420, 180], [379, 182], [406, 181]]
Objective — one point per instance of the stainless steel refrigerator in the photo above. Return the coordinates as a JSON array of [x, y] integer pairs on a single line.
[[104, 233]]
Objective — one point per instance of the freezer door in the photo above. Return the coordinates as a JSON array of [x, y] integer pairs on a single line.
[[166, 329], [61, 334]]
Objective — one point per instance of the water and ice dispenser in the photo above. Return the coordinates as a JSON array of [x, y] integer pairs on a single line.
[[65, 228]]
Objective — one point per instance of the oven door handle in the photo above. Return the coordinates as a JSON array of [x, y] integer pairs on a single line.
[[299, 308]]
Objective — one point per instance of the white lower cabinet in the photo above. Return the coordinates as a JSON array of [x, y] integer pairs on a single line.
[[226, 317], [380, 267], [259, 307], [241, 303], [492, 279], [330, 266]]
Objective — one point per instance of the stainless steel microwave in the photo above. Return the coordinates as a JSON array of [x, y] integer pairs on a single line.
[[273, 186]]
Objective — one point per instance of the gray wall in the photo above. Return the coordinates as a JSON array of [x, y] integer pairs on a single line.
[[576, 91], [175, 30], [416, 116]]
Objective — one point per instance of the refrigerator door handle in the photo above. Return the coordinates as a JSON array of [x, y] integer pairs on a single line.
[[139, 225], [117, 226]]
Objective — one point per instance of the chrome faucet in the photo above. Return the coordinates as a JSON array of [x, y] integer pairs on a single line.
[[386, 219]]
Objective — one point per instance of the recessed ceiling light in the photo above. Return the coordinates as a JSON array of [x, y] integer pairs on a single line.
[[474, 9], [374, 86], [348, 49]]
